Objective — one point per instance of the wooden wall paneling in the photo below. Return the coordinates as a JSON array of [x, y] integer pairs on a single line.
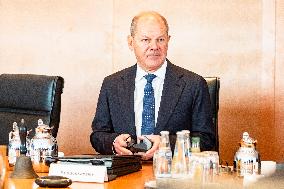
[[278, 141], [85, 40]]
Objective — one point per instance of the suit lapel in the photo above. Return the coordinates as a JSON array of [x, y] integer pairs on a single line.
[[172, 89], [126, 98]]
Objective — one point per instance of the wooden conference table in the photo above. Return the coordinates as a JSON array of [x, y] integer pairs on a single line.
[[134, 181], [137, 181]]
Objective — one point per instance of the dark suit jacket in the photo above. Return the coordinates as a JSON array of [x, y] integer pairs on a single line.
[[185, 104]]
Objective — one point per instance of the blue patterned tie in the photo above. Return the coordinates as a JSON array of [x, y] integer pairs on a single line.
[[148, 114]]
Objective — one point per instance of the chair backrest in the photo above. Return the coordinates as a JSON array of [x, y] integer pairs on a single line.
[[30, 97], [213, 87]]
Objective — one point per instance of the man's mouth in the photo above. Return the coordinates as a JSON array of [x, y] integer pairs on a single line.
[[153, 55]]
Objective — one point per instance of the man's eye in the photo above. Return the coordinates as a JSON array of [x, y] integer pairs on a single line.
[[145, 40], [161, 40]]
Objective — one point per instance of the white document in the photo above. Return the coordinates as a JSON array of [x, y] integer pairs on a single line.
[[79, 172]]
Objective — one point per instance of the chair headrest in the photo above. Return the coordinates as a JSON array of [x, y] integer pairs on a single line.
[[27, 91]]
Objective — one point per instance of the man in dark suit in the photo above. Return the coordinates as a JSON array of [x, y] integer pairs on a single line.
[[177, 98]]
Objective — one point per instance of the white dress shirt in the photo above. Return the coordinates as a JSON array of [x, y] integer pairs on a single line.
[[140, 83]]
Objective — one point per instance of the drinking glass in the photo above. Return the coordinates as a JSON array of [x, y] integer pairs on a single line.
[[196, 167], [214, 161]]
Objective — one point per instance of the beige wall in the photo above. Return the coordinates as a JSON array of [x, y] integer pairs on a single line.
[[85, 40]]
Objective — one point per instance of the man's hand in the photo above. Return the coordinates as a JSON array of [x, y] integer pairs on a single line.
[[120, 144], [150, 153]]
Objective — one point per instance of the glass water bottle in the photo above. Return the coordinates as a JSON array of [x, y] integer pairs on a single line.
[[163, 157], [179, 164]]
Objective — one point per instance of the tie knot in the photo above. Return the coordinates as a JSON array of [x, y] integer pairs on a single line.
[[150, 77]]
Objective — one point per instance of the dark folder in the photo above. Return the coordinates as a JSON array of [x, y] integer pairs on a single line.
[[116, 165]]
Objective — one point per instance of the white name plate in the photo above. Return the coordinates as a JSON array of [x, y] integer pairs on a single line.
[[79, 172]]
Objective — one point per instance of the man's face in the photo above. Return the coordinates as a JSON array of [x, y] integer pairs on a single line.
[[150, 43]]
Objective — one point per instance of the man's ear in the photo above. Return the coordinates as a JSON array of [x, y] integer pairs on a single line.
[[130, 42]]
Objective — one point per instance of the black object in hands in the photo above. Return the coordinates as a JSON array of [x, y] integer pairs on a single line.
[[143, 146]]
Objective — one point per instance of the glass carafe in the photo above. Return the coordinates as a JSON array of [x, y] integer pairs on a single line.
[[15, 143], [247, 159], [43, 145]]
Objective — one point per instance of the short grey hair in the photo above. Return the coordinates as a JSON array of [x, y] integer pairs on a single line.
[[153, 13]]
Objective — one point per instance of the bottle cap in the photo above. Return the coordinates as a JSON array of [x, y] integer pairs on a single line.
[[164, 132]]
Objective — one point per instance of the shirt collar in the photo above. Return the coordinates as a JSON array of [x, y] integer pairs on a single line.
[[160, 73]]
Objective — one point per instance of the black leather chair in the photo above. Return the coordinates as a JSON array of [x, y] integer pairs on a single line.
[[30, 97], [214, 86]]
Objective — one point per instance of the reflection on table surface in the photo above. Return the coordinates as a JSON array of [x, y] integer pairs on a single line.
[[224, 180], [275, 180], [138, 179]]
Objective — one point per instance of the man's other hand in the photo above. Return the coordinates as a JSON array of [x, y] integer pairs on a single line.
[[155, 139], [120, 144]]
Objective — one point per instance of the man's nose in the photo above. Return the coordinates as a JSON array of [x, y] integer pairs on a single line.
[[154, 45]]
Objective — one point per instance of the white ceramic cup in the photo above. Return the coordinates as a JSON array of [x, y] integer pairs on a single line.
[[268, 167]]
